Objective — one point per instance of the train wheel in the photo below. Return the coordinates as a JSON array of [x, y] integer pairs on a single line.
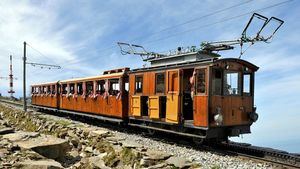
[[198, 141], [151, 132]]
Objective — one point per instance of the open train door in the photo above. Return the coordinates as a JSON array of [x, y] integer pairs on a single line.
[[201, 97], [173, 96]]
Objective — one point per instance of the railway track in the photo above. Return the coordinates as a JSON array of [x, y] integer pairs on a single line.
[[280, 158]]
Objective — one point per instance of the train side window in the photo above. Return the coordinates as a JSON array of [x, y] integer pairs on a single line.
[[53, 90], [89, 87], [114, 88], [217, 82], [79, 89], [44, 89], [127, 86], [160, 83], [139, 84], [64, 89], [72, 88], [201, 81], [232, 84], [247, 85], [100, 87], [48, 90]]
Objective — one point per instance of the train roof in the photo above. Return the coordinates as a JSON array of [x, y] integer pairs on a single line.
[[45, 83], [113, 75], [206, 61]]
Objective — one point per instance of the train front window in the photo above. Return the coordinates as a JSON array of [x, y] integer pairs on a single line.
[[247, 85], [217, 82], [232, 83]]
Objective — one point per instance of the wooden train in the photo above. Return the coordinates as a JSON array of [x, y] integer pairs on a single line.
[[190, 91], [209, 98]]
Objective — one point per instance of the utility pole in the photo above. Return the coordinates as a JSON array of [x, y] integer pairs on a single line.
[[41, 65], [24, 79]]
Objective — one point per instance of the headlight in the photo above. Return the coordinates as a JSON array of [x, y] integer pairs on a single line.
[[218, 117], [253, 115]]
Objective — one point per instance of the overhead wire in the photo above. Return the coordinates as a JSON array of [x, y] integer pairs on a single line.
[[168, 28], [221, 21], [196, 28]]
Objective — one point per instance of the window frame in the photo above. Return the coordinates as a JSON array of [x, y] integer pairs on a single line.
[[205, 81], [250, 84], [135, 84], [111, 90], [64, 88], [100, 87], [78, 92], [239, 80], [165, 82], [87, 84]]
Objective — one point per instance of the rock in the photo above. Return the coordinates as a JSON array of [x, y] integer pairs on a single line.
[[41, 164], [157, 155], [179, 162], [114, 138], [97, 162], [74, 154], [146, 162], [46, 145], [3, 153], [6, 130], [82, 154], [20, 135], [89, 149], [100, 132], [75, 142], [161, 165], [127, 144]]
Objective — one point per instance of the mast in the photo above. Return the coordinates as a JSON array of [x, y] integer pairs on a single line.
[[11, 89]]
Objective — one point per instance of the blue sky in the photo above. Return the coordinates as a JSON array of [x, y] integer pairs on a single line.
[[81, 37]]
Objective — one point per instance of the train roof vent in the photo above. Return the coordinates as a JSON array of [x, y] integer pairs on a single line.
[[119, 70]]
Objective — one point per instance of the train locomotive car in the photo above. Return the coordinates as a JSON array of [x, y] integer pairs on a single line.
[[201, 96]]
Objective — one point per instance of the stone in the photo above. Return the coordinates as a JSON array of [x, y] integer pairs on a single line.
[[3, 153], [131, 145], [161, 165], [20, 135], [146, 162], [6, 130], [114, 139], [100, 132], [46, 145], [40, 164], [89, 149], [157, 155], [179, 162], [97, 162]]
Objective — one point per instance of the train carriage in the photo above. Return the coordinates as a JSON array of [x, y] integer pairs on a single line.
[[45, 94]]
